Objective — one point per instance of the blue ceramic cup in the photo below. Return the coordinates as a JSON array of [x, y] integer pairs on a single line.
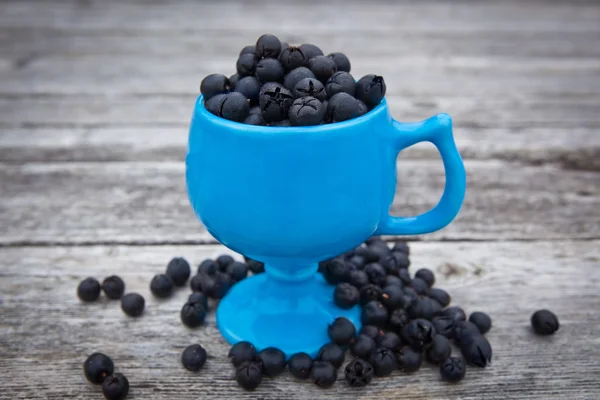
[[294, 196]]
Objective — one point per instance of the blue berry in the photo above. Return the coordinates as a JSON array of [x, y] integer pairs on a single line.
[[323, 67], [334, 271], [254, 119], [544, 322], [161, 286], [359, 373], [193, 357], [371, 331], [481, 320], [402, 260], [113, 287], [398, 318], [358, 278], [213, 104], [363, 346], [246, 65], [215, 286], [237, 271], [362, 108], [295, 76], [332, 353], [223, 261], [269, 70], [341, 331], [419, 333], [234, 107], [193, 314], [133, 304], [376, 273], [97, 367], [273, 361], [249, 86], [256, 267], [323, 374], [440, 350], [465, 332], [453, 369], [300, 365], [340, 82], [393, 280], [409, 360], [342, 62], [214, 84], [310, 50], [439, 295], [374, 313], [427, 275], [234, 79], [268, 46], [250, 49], [444, 326], [179, 271], [456, 313], [275, 104], [389, 340], [383, 361], [293, 57], [115, 387], [341, 107], [420, 286], [249, 375], [477, 351], [310, 87], [198, 297], [345, 295], [371, 90], [393, 297], [255, 110], [370, 293], [306, 111], [401, 247], [88, 290], [242, 352], [424, 307]]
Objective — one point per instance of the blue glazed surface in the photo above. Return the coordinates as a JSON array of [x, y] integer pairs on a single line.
[[293, 196]]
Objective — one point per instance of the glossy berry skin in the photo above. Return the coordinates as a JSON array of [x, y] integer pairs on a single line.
[[419, 333], [340, 82], [370, 293], [208, 267], [249, 86], [482, 321], [341, 331], [389, 340], [427, 275], [233, 80], [393, 297], [133, 304], [249, 375], [444, 326], [374, 313], [477, 351], [310, 87], [409, 360], [440, 295], [300, 365], [193, 358], [332, 353], [544, 322], [192, 314], [88, 290], [295, 76], [363, 346], [273, 361], [250, 49], [424, 307], [198, 297], [439, 351], [465, 331], [323, 374], [246, 65], [359, 372], [375, 272], [215, 286], [179, 271], [161, 286], [311, 50], [342, 107], [306, 111], [453, 369], [371, 90], [113, 287], [420, 286], [346, 296], [269, 70], [342, 62], [371, 331], [398, 318], [358, 279], [254, 119], [115, 387], [293, 57], [213, 85], [234, 107], [323, 67], [383, 361], [237, 271], [455, 312], [267, 46], [275, 104], [242, 352], [334, 271], [97, 367]]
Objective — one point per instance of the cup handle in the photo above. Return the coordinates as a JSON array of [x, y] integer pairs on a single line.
[[437, 130]]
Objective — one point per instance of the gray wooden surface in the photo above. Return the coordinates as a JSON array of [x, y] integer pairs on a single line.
[[95, 98]]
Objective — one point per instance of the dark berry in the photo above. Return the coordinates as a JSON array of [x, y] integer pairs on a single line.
[[309, 87], [375, 241], [198, 297], [269, 70], [214, 84], [268, 46], [444, 326], [368, 254], [388, 262], [161, 286], [133, 304], [398, 318], [249, 375], [275, 104], [295, 76], [113, 287], [376, 273], [213, 105], [270, 86], [332, 353], [193, 314], [455, 312], [311, 50], [419, 333], [284, 123], [342, 62], [254, 119], [246, 65], [359, 372], [234, 79], [371, 331], [477, 351], [241, 352], [234, 107], [273, 361], [392, 280], [97, 367], [427, 275], [346, 296], [374, 313], [334, 271], [178, 269], [250, 49], [340, 82], [215, 286], [440, 350], [323, 373], [405, 277], [249, 86], [402, 260], [439, 295], [306, 111], [411, 296], [401, 247], [237, 271], [482, 321], [357, 260], [408, 359], [424, 307], [193, 358], [363, 346], [88, 290], [292, 58], [370, 293], [341, 331], [420, 286], [323, 67], [383, 361], [115, 387], [465, 332], [255, 111], [453, 369], [300, 365], [358, 278], [544, 322], [393, 297], [362, 108], [196, 282], [371, 90], [342, 107], [208, 267], [389, 340], [256, 267]]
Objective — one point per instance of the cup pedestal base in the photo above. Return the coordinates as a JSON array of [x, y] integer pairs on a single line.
[[292, 316]]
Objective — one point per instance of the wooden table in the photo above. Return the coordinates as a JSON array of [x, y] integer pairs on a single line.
[[95, 99]]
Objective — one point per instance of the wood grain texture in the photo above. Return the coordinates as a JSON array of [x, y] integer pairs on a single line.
[[46, 333]]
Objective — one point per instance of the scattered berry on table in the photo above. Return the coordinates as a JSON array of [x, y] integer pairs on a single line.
[[409, 360], [440, 350], [420, 286], [115, 387], [256, 267], [323, 373], [371, 331], [481, 320], [208, 267], [215, 286], [237, 271], [389, 340], [464, 331], [358, 278], [454, 312], [477, 351], [196, 282], [346, 295], [376, 273], [133, 304], [427, 275], [341, 331], [88, 290], [332, 353], [401, 247], [544, 322], [405, 277], [453, 369], [334, 271], [398, 318], [273, 361], [198, 297], [193, 357], [179, 271], [388, 262], [193, 314], [402, 260], [440, 295], [97, 367], [424, 307], [369, 293], [359, 372], [113, 287], [161, 286], [445, 326], [374, 313], [383, 361], [249, 375], [393, 297], [300, 365], [223, 261], [242, 352], [419, 333], [363, 346]]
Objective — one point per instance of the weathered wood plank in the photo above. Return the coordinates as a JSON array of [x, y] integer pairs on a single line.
[[147, 202], [46, 333]]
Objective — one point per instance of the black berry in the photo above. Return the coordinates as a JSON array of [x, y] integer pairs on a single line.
[[439, 295], [254, 119], [420, 286], [393, 297], [300, 365], [401, 247], [214, 84], [208, 267], [419, 333], [424, 307], [392, 280], [192, 314], [371, 90], [311, 50], [249, 375], [370, 293], [332, 353], [342, 62], [196, 282], [88, 290], [234, 107], [374, 313], [453, 369], [383, 361], [250, 49], [198, 297], [402, 260], [477, 351], [371, 331], [465, 331], [427, 275], [161, 286], [133, 304], [215, 286], [358, 278], [249, 86], [340, 82], [246, 65], [293, 57], [398, 318], [275, 104], [242, 352], [97, 367], [345, 295], [405, 277], [113, 287], [375, 272], [193, 357], [408, 359], [323, 67], [440, 350], [237, 271], [363, 346], [269, 70], [273, 361], [456, 313], [362, 108], [358, 261], [268, 46], [544, 322], [388, 262], [255, 110], [179, 271], [306, 111], [389, 340], [334, 271], [482, 321], [341, 331], [115, 387], [444, 326], [233, 80], [323, 373], [309, 87], [359, 372], [213, 105], [341, 107], [295, 76]]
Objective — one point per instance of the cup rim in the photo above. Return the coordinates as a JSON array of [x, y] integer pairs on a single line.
[[201, 111]]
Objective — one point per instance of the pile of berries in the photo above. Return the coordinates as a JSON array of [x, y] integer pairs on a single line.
[[281, 85]]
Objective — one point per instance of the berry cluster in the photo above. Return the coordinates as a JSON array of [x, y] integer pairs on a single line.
[[99, 369], [281, 85], [132, 304]]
